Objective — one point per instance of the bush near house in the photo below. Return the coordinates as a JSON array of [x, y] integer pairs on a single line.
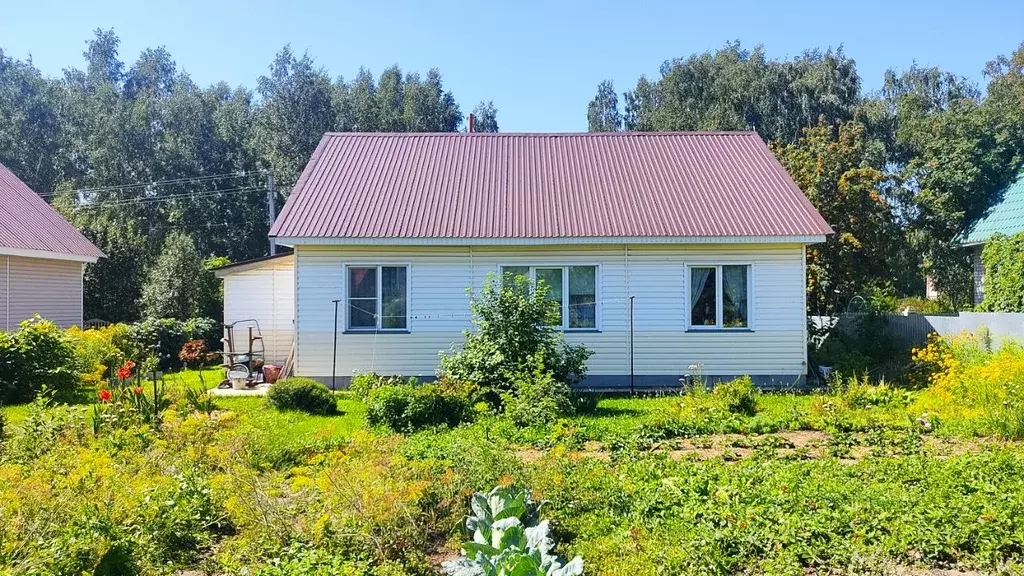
[[38, 354], [303, 394], [513, 342]]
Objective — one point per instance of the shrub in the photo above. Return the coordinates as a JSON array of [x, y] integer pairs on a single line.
[[513, 326], [96, 352], [304, 394], [171, 334], [969, 383], [537, 398], [737, 396], [407, 408], [38, 354], [363, 385]]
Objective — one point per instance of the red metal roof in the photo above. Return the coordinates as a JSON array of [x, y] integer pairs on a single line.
[[28, 223], [557, 186]]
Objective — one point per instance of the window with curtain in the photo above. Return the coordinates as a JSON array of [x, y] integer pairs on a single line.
[[377, 298], [703, 297], [574, 288], [735, 309], [719, 296]]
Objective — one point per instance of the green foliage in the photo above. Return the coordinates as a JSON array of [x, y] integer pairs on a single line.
[[410, 407], [304, 394], [536, 397], [485, 117], [513, 330], [839, 171], [364, 384], [180, 285], [603, 111], [38, 354], [738, 89], [1003, 258], [737, 396], [171, 334], [857, 344]]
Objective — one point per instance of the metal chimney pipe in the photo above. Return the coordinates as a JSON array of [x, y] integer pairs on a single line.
[[471, 119]]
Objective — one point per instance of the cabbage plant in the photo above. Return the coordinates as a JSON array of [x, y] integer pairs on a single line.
[[509, 539]]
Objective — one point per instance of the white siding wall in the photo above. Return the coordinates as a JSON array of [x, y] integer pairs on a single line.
[[654, 275], [50, 288], [267, 295]]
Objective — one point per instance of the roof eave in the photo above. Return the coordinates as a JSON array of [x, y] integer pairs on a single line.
[[593, 240], [48, 255]]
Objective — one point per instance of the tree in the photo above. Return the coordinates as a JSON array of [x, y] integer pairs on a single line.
[[603, 112], [486, 117], [297, 110], [835, 167], [738, 89], [179, 285]]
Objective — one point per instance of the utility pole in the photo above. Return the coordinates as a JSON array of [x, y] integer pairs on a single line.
[[271, 207]]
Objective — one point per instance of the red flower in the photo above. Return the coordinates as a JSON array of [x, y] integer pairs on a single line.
[[105, 395], [137, 390], [125, 371]]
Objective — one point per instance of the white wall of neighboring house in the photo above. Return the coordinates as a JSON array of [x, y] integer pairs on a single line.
[[774, 349], [265, 293], [51, 288]]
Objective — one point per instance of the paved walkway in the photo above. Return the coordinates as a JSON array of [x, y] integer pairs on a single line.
[[260, 390]]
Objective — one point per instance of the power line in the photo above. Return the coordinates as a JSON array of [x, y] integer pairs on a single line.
[[190, 195], [189, 180]]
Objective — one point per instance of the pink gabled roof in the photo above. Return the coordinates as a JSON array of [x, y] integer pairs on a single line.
[[545, 186], [28, 224]]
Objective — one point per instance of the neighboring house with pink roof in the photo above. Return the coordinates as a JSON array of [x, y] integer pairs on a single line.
[[42, 258], [669, 253]]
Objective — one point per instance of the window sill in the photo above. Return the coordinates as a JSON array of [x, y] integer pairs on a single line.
[[713, 330], [579, 330], [375, 332]]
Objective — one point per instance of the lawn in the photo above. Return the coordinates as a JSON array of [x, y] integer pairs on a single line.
[[852, 481]]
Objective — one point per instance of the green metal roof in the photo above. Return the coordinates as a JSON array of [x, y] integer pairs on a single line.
[[1006, 218]]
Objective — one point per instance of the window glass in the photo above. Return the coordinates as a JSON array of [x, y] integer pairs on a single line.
[[703, 306], [734, 297], [583, 297], [509, 272], [552, 277], [362, 298], [393, 304]]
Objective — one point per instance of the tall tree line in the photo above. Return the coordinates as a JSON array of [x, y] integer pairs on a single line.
[[899, 173], [87, 140]]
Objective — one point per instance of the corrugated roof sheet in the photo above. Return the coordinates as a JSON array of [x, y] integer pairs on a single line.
[[27, 222], [558, 186], [1006, 217]]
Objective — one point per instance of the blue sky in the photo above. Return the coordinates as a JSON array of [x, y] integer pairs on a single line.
[[539, 61]]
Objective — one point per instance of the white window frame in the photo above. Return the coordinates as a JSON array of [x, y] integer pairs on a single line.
[[719, 300], [565, 289], [380, 299]]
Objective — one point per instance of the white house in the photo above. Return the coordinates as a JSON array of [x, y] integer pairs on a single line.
[[261, 293], [701, 235], [42, 258]]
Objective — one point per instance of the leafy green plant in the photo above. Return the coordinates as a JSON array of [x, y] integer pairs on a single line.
[[537, 397], [364, 384], [408, 407], [509, 539], [38, 354], [737, 396], [303, 394], [1003, 258], [513, 324]]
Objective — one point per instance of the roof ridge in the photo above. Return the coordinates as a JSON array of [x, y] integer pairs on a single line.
[[620, 134]]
